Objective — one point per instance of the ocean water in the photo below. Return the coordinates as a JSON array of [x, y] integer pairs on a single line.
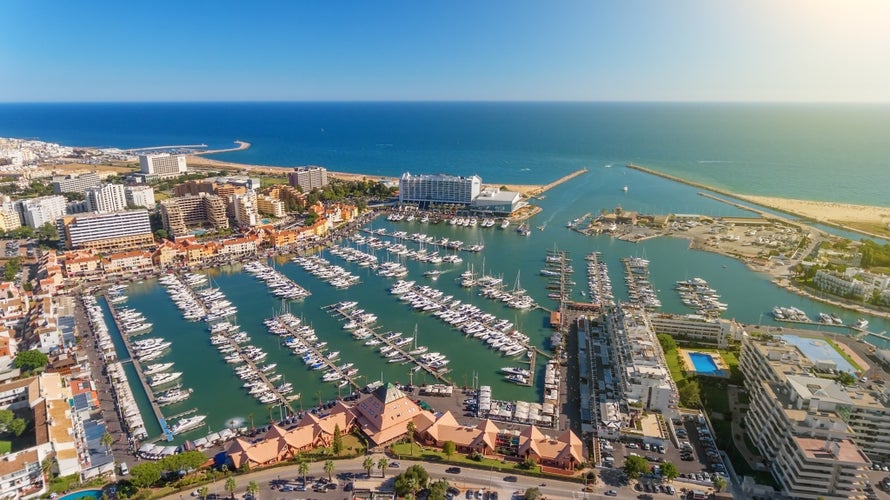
[[819, 152]]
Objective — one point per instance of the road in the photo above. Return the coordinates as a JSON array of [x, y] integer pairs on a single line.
[[467, 479]]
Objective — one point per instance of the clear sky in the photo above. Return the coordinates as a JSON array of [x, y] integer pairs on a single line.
[[585, 50]]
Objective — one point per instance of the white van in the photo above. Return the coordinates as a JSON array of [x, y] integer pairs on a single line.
[[124, 469]]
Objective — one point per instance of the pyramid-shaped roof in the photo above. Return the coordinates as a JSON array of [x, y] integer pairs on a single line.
[[388, 393]]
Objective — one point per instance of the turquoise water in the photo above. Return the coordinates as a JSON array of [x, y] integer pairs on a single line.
[[218, 392], [85, 494], [704, 363], [787, 150]]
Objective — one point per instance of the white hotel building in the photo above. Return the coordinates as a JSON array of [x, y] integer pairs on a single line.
[[165, 166], [439, 189], [106, 198]]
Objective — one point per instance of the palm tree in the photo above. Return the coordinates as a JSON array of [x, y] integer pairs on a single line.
[[253, 488], [46, 467], [304, 469], [329, 468], [203, 491], [382, 464], [107, 440], [230, 486], [368, 464], [411, 429]]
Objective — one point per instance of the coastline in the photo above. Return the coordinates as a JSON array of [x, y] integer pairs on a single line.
[[838, 215]]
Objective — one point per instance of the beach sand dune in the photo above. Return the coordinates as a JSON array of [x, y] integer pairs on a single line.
[[824, 211]]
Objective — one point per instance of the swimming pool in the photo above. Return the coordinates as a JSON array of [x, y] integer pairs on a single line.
[[704, 364], [82, 495]]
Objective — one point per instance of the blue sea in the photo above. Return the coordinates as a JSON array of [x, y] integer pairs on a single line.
[[828, 152]]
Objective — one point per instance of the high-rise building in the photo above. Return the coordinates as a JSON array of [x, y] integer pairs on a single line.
[[165, 166], [36, 212], [244, 208], [179, 213], [9, 216], [75, 183], [106, 198], [140, 196], [107, 232], [308, 178], [816, 432], [439, 188]]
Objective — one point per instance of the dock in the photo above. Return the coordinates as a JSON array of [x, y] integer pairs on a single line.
[[547, 187], [344, 313], [155, 408], [330, 364]]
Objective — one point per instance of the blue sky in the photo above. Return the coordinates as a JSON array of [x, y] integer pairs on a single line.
[[591, 50]]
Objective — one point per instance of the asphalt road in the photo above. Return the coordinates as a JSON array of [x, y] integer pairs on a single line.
[[468, 479]]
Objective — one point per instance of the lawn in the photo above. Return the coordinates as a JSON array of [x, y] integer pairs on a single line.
[[5, 447], [673, 363], [436, 455], [266, 181]]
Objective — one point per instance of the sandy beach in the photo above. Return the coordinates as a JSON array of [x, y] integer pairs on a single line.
[[824, 211]]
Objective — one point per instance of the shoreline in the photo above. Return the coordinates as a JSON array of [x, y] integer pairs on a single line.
[[833, 214]]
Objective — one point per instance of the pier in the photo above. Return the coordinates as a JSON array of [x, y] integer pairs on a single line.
[[242, 145], [155, 408], [344, 313], [547, 187], [176, 146], [330, 364], [262, 376]]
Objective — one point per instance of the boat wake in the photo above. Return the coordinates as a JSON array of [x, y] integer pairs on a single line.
[[236, 422]]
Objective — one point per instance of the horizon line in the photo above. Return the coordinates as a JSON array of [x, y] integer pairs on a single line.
[[448, 101]]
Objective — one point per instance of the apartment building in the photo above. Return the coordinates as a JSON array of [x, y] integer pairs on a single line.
[[140, 196], [853, 282], [36, 212], [720, 333], [642, 371], [180, 213], [270, 206], [75, 183], [308, 178], [116, 231], [243, 209], [165, 166], [105, 198], [439, 188]]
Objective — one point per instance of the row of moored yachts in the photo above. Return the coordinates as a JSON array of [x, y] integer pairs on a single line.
[[497, 333], [322, 268], [279, 285], [303, 342]]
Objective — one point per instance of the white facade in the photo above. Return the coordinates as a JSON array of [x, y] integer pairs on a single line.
[[164, 166], [36, 212], [439, 188], [308, 178], [106, 198], [244, 208], [716, 331], [89, 228], [75, 183], [140, 196], [271, 206]]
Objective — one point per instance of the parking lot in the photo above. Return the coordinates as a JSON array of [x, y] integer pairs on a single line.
[[697, 459]]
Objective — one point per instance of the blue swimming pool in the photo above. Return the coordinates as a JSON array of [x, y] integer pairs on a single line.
[[82, 495], [704, 364]]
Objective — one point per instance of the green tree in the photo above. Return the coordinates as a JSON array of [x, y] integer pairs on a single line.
[[23, 233], [106, 440], [48, 233], [203, 491], [449, 448], [529, 463], [411, 481], [439, 490], [12, 267], [719, 483], [368, 464], [382, 464], [690, 393], [669, 471], [667, 342], [846, 379], [161, 234], [411, 428], [46, 466], [18, 426], [329, 469], [304, 469], [635, 466], [337, 444], [253, 488], [591, 478], [31, 360], [231, 485], [145, 474], [532, 494]]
